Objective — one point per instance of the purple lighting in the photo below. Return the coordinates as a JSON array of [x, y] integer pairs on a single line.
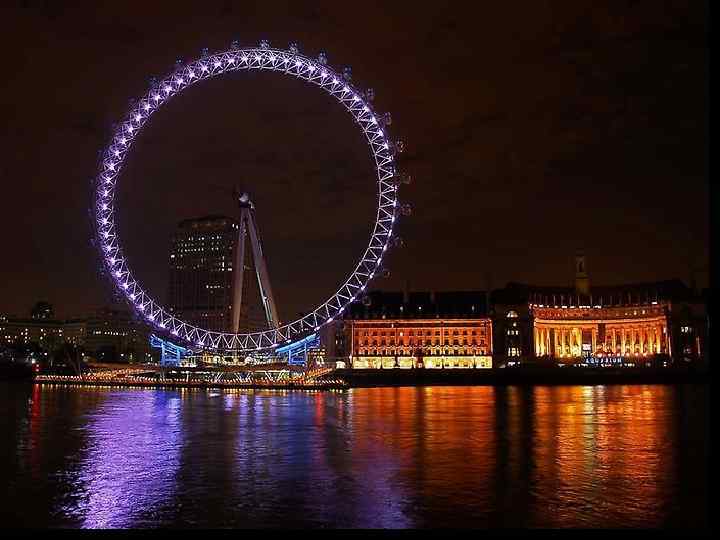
[[331, 82]]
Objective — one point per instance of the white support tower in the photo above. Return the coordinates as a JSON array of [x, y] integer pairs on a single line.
[[249, 226]]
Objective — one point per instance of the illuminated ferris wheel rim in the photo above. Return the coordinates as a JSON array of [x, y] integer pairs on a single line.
[[208, 66]]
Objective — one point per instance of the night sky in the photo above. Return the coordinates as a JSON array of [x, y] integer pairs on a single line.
[[532, 129]]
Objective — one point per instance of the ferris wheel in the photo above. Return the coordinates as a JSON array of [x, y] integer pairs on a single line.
[[288, 62]]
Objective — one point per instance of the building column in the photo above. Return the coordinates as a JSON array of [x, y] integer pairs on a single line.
[[594, 340], [578, 341], [540, 341], [547, 341]]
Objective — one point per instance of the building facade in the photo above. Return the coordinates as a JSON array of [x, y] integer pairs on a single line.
[[201, 271], [633, 325], [419, 330], [202, 276], [597, 331], [630, 325], [512, 325], [48, 334], [109, 335], [113, 335], [40, 329]]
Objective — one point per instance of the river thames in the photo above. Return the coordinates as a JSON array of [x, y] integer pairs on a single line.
[[516, 456]]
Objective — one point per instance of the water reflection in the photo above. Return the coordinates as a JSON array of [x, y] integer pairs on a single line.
[[128, 472], [614, 456], [603, 451]]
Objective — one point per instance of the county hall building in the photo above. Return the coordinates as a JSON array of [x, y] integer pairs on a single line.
[[447, 330], [628, 325]]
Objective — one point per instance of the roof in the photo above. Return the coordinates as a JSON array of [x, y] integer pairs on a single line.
[[420, 304], [672, 290], [208, 220]]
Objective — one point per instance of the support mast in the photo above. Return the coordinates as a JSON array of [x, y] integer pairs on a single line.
[[248, 226]]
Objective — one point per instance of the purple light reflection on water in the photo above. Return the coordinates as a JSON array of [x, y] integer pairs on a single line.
[[131, 461], [616, 456]]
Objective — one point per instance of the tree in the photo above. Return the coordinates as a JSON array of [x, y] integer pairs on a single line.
[[72, 357]]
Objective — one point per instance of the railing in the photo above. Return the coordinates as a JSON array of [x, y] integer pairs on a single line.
[[251, 382]]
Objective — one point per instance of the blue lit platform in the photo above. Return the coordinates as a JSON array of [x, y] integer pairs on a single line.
[[296, 353], [170, 353]]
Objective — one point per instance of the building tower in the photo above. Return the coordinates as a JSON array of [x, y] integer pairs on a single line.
[[212, 262], [201, 271], [582, 281]]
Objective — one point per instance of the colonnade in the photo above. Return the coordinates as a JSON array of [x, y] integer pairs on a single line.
[[627, 338]]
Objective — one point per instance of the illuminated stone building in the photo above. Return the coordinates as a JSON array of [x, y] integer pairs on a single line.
[[419, 329], [46, 333], [512, 324], [116, 336], [74, 331], [625, 325], [41, 329], [629, 329], [201, 291]]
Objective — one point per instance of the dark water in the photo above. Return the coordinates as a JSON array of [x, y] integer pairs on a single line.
[[602, 456]]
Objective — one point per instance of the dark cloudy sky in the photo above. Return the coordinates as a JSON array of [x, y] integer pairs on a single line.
[[533, 129]]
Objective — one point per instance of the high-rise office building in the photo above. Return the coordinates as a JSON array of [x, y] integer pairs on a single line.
[[202, 277]]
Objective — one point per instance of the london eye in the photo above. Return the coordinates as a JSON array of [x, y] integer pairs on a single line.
[[315, 71]]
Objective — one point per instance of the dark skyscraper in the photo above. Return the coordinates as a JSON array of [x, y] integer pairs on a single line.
[[201, 276]]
